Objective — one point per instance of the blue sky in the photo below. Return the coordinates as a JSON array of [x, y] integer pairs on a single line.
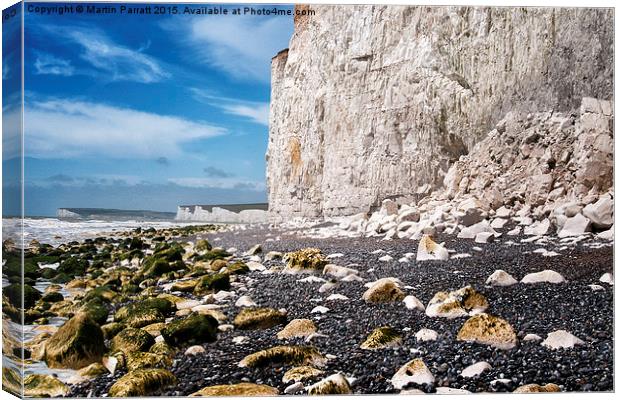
[[147, 112]]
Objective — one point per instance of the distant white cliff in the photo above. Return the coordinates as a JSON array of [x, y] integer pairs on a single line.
[[64, 213], [230, 214]]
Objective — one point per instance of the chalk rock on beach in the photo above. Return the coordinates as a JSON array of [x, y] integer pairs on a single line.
[[475, 369], [412, 303], [384, 290], [470, 232], [415, 371], [489, 330], [429, 250], [426, 335], [536, 388], [501, 278], [600, 213], [575, 226], [548, 276], [333, 384], [459, 303], [561, 339], [607, 278], [297, 328]]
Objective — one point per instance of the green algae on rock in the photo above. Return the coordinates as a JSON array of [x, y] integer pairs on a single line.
[[259, 318], [193, 329], [212, 283], [132, 339], [15, 291], [238, 390], [142, 382], [140, 360], [288, 355], [76, 344], [163, 305], [139, 318], [110, 330], [382, 337]]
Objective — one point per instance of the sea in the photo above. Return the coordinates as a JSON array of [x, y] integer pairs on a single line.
[[55, 231]]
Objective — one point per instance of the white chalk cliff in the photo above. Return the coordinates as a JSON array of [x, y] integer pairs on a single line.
[[375, 102]]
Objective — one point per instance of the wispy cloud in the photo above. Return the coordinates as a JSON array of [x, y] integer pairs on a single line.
[[214, 172], [110, 60], [6, 70], [241, 46], [255, 111], [71, 128], [220, 183], [162, 161], [47, 64]]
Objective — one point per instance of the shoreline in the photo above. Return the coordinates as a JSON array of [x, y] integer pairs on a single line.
[[530, 308]]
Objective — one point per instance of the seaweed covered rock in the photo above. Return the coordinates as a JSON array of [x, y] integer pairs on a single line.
[[110, 330], [385, 290], [259, 318], [536, 388], [297, 328], [308, 259], [212, 283], [489, 330], [186, 286], [73, 266], [162, 348], [203, 245], [415, 371], [244, 389], [155, 268], [142, 317], [52, 297], [15, 291], [76, 344], [163, 305], [299, 374], [237, 268], [333, 384], [93, 370], [140, 360], [288, 355], [194, 329], [459, 303], [142, 382], [132, 339], [103, 293], [382, 337], [38, 385], [12, 381], [97, 310]]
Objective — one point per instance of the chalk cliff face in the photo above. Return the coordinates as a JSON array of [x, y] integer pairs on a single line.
[[375, 102]]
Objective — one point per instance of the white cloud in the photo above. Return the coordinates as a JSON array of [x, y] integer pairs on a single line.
[[47, 64], [240, 46], [5, 70], [220, 183], [71, 128], [109, 59], [256, 111]]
